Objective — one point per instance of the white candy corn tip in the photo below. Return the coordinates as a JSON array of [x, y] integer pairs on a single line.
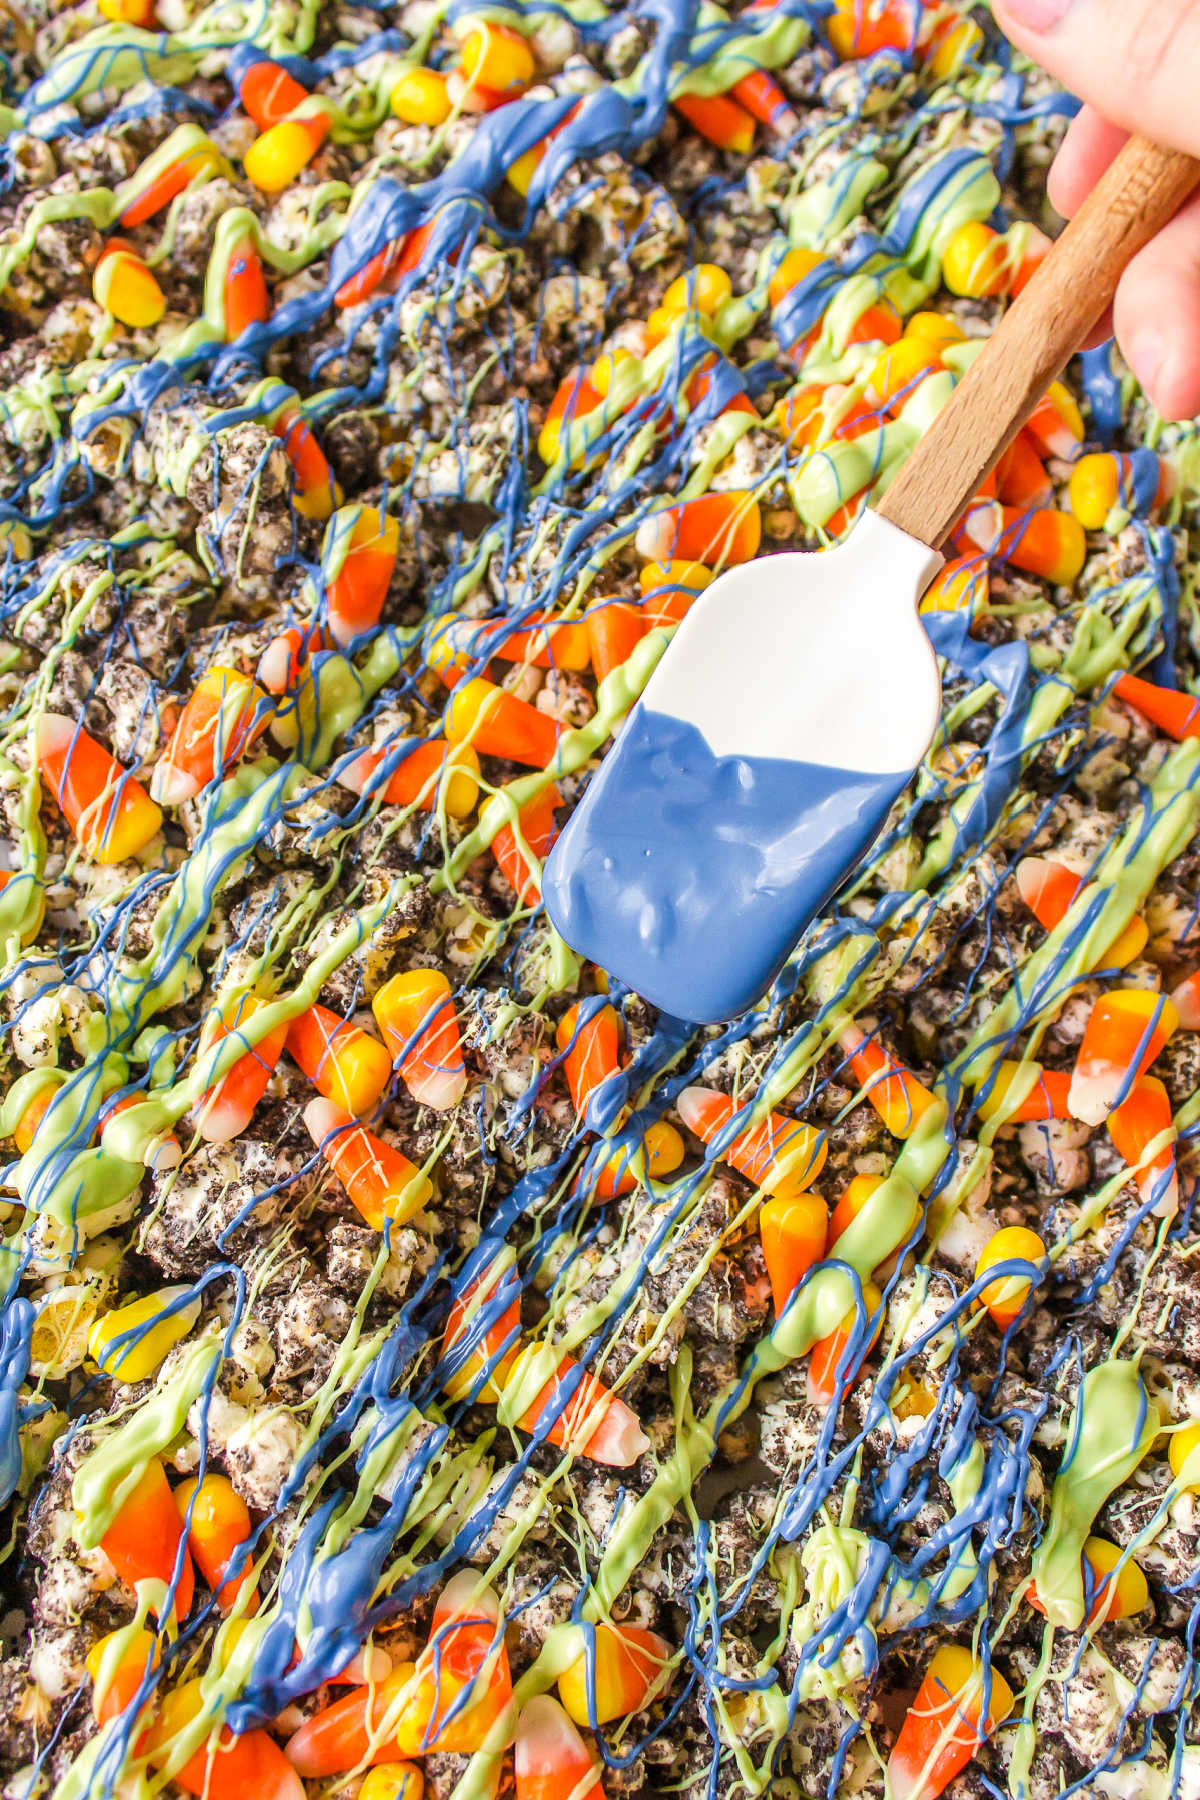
[[549, 1744], [655, 537], [1031, 878], [170, 785], [692, 1105], [1162, 1188], [357, 776], [164, 1156], [618, 1439], [323, 1117], [439, 1089], [466, 1597], [54, 732], [219, 1120], [275, 666], [903, 1781], [371, 1663], [1093, 1093]]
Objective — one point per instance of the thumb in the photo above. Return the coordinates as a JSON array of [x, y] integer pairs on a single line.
[[1134, 60]]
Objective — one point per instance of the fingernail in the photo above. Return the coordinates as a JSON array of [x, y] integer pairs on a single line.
[[1038, 15], [1146, 358]]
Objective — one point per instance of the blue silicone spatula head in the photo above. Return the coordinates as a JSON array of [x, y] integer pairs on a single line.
[[750, 776]]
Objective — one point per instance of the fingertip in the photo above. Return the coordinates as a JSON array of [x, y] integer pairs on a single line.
[[1157, 316], [1090, 144]]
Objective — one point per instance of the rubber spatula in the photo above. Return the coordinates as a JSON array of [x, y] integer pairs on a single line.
[[800, 692]]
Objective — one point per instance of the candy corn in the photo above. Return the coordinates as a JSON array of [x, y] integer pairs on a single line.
[[1046, 1099], [196, 157], [416, 1017], [829, 1353], [619, 1673], [268, 93], [428, 773], [128, 12], [1104, 480], [715, 529], [958, 1706], [975, 261], [669, 590], [854, 1197], [1004, 1299], [340, 1059], [939, 330], [1049, 888], [719, 119], [792, 1234], [861, 28], [1113, 1593], [793, 267], [162, 1153], [239, 1766], [360, 1729], [1021, 478], [382, 1183], [765, 100], [1140, 1120], [497, 723], [899, 370], [126, 288], [131, 1341], [420, 98], [1056, 423], [588, 1420], [144, 1540], [660, 1153], [1177, 713], [224, 714], [316, 492], [111, 814], [1180, 1446], [217, 1524], [519, 853], [895, 1093], [575, 398], [464, 1688], [246, 300], [782, 1156], [614, 629], [285, 660], [227, 1107], [283, 151], [552, 1761], [1186, 998], [355, 595], [393, 1781], [486, 1364], [117, 1676], [497, 58], [1125, 1031], [961, 585], [703, 289], [591, 1051], [1044, 542]]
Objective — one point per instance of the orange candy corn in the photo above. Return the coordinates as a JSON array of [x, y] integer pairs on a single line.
[[1125, 1031], [201, 159], [341, 1060], [719, 119], [1187, 1001], [415, 1014], [428, 773], [854, 1197], [781, 1155], [1056, 423], [861, 28], [1021, 478], [224, 714], [228, 1106], [1176, 713], [1116, 1593], [1049, 888], [497, 723], [463, 1680], [246, 299], [828, 1353], [240, 1767], [161, 1155], [360, 1730], [284, 661], [316, 493], [960, 585], [614, 629], [716, 528], [946, 1723], [629, 1665], [1004, 1298], [143, 1541], [895, 1093], [356, 594], [592, 1051], [1133, 1126], [382, 1183], [268, 93], [114, 1689], [219, 1525], [538, 830], [574, 398], [590, 1421], [792, 1234], [660, 1153], [765, 100], [552, 1762], [111, 814], [543, 641], [1046, 1099], [1044, 542], [493, 1348]]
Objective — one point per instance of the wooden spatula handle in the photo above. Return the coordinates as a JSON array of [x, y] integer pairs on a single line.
[[1143, 188]]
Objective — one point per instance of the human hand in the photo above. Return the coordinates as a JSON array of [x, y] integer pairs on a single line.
[[1135, 64]]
